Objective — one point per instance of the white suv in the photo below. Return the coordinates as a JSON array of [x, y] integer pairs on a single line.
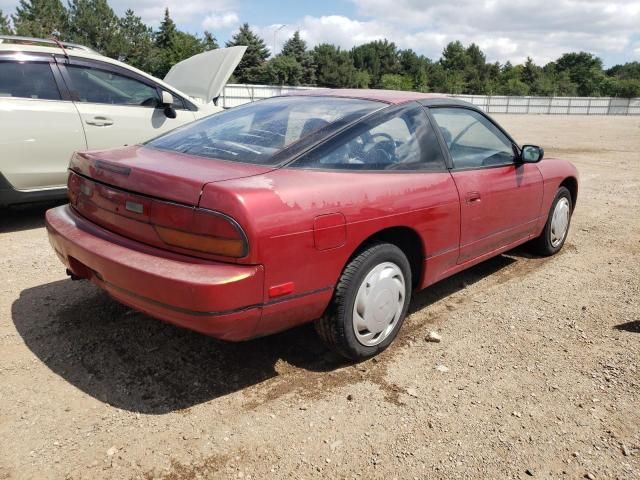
[[57, 98]]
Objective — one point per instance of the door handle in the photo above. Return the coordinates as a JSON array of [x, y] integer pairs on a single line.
[[473, 197], [99, 121]]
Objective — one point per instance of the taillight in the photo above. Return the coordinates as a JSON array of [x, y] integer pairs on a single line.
[[77, 185], [189, 228], [199, 230]]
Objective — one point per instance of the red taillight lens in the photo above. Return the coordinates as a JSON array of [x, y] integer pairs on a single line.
[[188, 228], [77, 185], [199, 230]]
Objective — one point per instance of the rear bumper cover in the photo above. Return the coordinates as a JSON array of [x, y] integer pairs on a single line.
[[217, 299]]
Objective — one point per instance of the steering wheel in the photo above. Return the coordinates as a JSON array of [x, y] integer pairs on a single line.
[[387, 140]]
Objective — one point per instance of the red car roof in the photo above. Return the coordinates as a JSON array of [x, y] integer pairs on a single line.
[[387, 96]]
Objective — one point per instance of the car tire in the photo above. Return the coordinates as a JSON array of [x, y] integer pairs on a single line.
[[369, 304], [556, 229]]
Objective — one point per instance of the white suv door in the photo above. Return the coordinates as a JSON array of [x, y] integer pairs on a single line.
[[40, 129], [118, 107]]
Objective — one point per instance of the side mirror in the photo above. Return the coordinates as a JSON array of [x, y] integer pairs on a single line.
[[531, 154], [167, 103]]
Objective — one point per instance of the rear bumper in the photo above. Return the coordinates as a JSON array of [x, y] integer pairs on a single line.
[[217, 299]]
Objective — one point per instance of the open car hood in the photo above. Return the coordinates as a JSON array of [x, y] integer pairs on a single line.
[[204, 75]]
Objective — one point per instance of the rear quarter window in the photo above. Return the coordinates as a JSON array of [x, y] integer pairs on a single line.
[[398, 139], [28, 80]]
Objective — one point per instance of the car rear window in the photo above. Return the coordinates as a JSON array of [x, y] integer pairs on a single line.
[[258, 132]]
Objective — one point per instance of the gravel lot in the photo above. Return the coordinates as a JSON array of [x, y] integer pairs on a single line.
[[537, 373]]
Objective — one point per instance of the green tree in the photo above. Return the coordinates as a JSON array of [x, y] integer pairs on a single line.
[[41, 18], [255, 55], [415, 66], [437, 77], [135, 42], [209, 42], [454, 57], [296, 48], [334, 66], [282, 70], [376, 58], [530, 72], [476, 71], [514, 86], [360, 79], [564, 87], [5, 28], [173, 46], [584, 70], [166, 32], [626, 88], [628, 70], [93, 23], [455, 62], [395, 81]]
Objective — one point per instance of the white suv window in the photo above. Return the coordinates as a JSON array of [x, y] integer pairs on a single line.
[[28, 80], [99, 86]]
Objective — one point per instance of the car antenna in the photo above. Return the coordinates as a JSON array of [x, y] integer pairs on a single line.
[[59, 44]]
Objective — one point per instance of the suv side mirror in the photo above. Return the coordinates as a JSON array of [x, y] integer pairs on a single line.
[[167, 103], [531, 154]]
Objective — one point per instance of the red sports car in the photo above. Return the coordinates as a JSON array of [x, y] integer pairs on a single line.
[[330, 206]]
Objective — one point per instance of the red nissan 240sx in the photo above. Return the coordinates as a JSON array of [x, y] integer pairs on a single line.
[[329, 206]]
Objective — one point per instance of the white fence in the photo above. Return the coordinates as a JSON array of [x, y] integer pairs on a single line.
[[237, 94], [555, 105]]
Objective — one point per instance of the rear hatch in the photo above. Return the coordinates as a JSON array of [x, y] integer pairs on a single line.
[[165, 175], [149, 195]]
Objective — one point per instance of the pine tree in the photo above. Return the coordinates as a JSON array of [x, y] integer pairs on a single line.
[[94, 24], [377, 58], [135, 42], [173, 46], [295, 47], [334, 67], [454, 57], [166, 32], [5, 28], [209, 42], [41, 19], [255, 55], [530, 74]]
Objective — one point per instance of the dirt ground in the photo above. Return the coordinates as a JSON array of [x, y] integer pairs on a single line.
[[542, 372]]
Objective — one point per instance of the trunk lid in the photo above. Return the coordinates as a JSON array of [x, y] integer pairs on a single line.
[[172, 176], [204, 75]]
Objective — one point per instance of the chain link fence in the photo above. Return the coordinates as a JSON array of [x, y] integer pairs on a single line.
[[237, 94]]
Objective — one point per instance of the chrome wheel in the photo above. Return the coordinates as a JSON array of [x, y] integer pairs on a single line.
[[560, 222], [379, 304]]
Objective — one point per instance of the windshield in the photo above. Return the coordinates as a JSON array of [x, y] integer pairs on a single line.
[[257, 132]]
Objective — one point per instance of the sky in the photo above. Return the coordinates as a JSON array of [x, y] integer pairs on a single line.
[[504, 29]]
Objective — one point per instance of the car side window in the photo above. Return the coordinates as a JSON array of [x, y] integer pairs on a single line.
[[100, 86], [28, 80], [473, 141], [403, 140]]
